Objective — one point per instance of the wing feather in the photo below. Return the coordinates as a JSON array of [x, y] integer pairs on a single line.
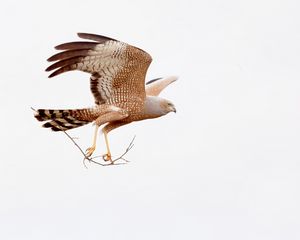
[[94, 37], [70, 54], [153, 80], [155, 86], [120, 68], [65, 62], [60, 71], [76, 45]]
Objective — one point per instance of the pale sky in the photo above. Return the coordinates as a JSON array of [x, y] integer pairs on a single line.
[[226, 166]]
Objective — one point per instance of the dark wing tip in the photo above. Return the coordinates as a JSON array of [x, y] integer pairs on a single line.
[[69, 54], [48, 69], [153, 80], [76, 45], [51, 75], [55, 73], [59, 71], [95, 37], [52, 58]]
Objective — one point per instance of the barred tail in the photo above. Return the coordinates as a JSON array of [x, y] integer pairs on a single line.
[[62, 120]]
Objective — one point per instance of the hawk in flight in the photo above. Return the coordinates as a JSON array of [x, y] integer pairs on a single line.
[[117, 83]]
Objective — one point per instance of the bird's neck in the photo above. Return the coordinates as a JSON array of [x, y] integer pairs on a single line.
[[152, 107]]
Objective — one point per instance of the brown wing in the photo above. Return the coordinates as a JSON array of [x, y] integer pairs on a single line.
[[118, 69]]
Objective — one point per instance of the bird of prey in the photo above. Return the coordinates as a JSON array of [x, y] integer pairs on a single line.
[[117, 83]]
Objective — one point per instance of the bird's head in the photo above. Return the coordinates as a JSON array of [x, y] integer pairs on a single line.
[[157, 106], [167, 106]]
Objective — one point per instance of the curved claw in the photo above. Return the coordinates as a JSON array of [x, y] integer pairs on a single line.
[[90, 151], [107, 157]]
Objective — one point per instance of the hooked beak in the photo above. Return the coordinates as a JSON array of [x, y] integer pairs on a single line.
[[174, 109]]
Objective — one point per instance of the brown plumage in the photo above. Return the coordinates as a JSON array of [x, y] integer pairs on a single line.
[[117, 83]]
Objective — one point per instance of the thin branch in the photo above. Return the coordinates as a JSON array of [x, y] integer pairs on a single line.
[[130, 146], [112, 162]]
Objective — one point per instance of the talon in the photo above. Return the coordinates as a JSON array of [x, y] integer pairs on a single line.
[[107, 157], [90, 151]]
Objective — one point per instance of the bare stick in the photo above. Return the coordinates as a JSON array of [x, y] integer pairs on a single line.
[[130, 146], [113, 162]]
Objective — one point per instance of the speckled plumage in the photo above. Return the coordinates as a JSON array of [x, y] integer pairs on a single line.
[[117, 83]]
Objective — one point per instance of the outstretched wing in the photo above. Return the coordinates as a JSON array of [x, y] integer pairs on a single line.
[[155, 86], [118, 69]]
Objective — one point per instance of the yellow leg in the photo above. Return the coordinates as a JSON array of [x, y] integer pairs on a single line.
[[107, 157], [91, 149]]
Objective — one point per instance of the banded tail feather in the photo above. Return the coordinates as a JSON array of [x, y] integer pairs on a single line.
[[63, 120]]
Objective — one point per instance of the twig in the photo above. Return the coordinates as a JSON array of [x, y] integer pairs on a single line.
[[112, 162], [130, 146]]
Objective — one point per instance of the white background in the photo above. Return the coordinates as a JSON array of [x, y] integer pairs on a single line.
[[226, 166]]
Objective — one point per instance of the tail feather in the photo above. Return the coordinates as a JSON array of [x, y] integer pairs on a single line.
[[47, 114], [62, 120]]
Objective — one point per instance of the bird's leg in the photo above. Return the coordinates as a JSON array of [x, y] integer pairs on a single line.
[[114, 114], [107, 156], [91, 149]]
